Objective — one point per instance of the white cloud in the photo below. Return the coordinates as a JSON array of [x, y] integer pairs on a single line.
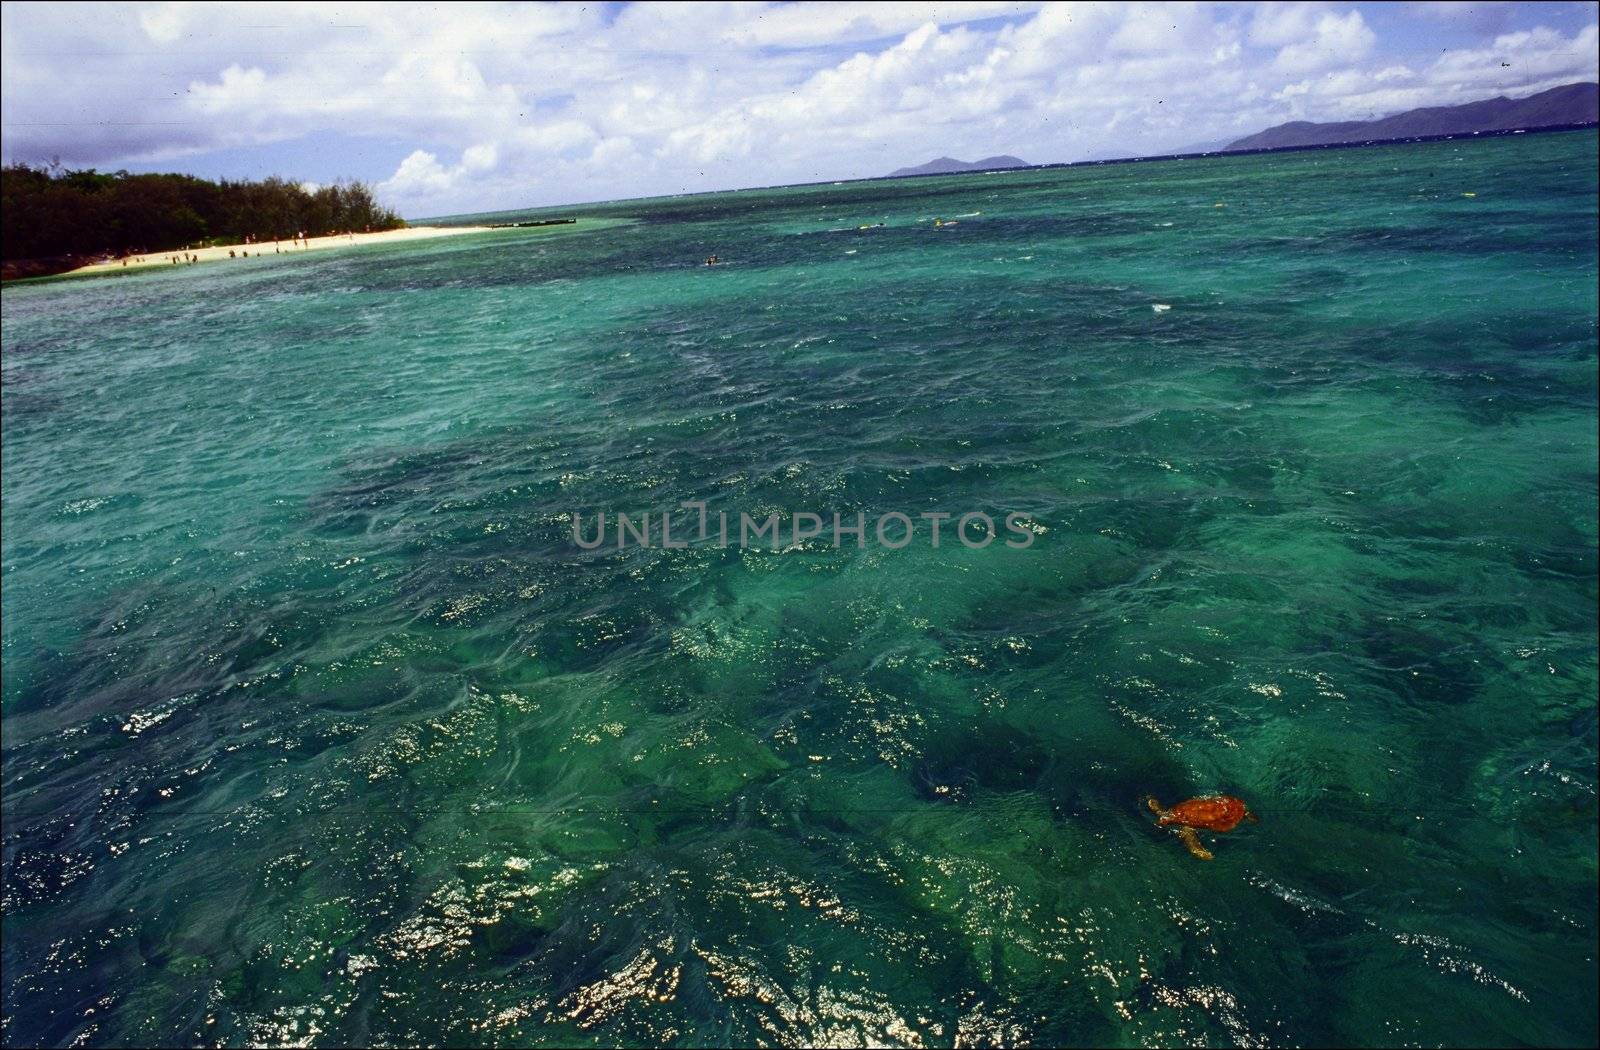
[[421, 175], [482, 157], [503, 106], [1334, 40], [1515, 64], [1277, 25]]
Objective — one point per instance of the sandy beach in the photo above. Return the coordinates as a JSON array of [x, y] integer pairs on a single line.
[[284, 247]]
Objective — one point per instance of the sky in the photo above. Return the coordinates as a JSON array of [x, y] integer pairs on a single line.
[[454, 108]]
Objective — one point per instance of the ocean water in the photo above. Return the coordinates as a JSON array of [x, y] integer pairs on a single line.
[[319, 728]]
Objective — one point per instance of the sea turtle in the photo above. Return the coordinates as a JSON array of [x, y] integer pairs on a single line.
[[1213, 813]]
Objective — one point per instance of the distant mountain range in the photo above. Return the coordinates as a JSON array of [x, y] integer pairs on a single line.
[[949, 166], [1569, 104]]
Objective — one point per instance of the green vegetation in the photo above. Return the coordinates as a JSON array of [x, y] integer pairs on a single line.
[[52, 213]]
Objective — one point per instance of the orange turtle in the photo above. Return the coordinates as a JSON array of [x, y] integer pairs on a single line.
[[1213, 813]]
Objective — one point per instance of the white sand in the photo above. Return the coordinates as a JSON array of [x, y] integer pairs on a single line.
[[277, 249]]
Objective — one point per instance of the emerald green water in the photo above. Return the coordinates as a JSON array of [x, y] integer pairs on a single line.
[[319, 728]]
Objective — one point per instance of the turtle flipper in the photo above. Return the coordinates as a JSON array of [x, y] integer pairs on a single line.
[[1192, 840]]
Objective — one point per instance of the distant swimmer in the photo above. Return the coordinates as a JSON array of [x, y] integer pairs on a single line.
[[712, 260]]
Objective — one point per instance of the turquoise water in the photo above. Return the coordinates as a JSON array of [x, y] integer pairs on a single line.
[[318, 727]]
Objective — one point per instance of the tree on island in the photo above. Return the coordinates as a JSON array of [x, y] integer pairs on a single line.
[[50, 212]]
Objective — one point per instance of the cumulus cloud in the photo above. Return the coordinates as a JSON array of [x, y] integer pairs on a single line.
[[1334, 40], [1513, 64], [506, 105]]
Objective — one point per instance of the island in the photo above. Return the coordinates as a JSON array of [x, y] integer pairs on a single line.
[[1571, 105], [951, 166], [55, 220]]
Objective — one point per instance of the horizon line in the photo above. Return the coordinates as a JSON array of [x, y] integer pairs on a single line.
[[1146, 158]]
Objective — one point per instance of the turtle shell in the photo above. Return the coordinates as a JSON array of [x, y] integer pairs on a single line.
[[1216, 813]]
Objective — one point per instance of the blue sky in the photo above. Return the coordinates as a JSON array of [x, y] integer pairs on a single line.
[[466, 107]]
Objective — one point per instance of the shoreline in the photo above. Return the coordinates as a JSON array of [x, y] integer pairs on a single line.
[[269, 249]]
